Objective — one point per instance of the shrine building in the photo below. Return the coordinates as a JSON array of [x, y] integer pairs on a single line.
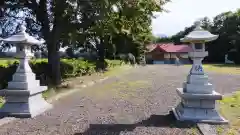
[[167, 53]]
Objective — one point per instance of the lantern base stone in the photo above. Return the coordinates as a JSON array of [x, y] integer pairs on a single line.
[[23, 97], [198, 107], [198, 115], [28, 107]]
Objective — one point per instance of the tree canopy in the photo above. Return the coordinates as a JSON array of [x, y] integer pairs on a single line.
[[108, 26], [226, 25]]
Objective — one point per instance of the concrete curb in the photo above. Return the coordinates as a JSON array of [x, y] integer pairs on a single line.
[[57, 97], [205, 129]]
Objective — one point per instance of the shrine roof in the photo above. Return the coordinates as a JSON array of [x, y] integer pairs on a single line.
[[170, 47]]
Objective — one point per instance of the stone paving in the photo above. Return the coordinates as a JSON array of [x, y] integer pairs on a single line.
[[136, 103]]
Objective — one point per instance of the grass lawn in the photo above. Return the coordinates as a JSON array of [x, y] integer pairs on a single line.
[[222, 68], [6, 60], [116, 70], [1, 101], [230, 109]]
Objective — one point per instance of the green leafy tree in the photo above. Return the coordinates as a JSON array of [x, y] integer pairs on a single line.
[[163, 40], [49, 20], [226, 25], [88, 23], [128, 29]]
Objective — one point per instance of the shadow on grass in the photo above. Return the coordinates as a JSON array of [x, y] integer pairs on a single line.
[[225, 65], [153, 121]]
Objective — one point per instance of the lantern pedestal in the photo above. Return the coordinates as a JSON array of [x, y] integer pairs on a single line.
[[198, 97], [24, 106], [24, 94], [198, 107]]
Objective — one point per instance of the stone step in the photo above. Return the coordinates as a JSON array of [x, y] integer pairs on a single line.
[[23, 85], [35, 106], [198, 115], [198, 88], [197, 79], [19, 77], [213, 96], [199, 103], [17, 92]]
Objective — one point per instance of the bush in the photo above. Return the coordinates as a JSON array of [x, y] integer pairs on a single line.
[[69, 68], [76, 67], [237, 58], [114, 63], [6, 72]]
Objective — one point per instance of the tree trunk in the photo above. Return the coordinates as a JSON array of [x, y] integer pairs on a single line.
[[54, 64], [101, 56]]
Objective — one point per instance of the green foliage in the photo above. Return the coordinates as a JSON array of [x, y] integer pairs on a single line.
[[229, 108], [163, 40], [226, 25], [127, 30], [75, 67], [69, 68], [176, 38], [91, 24], [7, 71], [1, 101], [113, 63]]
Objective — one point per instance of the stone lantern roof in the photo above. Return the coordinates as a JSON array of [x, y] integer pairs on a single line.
[[199, 34], [22, 37]]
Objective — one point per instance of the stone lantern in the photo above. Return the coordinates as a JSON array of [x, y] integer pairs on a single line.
[[198, 97], [24, 94]]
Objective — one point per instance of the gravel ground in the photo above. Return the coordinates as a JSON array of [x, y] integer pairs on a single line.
[[137, 103]]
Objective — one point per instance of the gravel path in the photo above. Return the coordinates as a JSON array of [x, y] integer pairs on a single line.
[[137, 103]]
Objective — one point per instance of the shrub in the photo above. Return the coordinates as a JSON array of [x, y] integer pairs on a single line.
[[75, 67], [6, 73], [114, 63], [69, 68]]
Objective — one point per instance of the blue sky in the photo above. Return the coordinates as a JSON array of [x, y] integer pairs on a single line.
[[183, 13]]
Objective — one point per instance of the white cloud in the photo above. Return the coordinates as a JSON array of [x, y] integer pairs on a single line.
[[183, 13]]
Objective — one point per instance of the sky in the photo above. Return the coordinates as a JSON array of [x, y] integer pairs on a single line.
[[183, 13]]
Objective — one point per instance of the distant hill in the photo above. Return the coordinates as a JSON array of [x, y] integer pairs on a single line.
[[161, 35]]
